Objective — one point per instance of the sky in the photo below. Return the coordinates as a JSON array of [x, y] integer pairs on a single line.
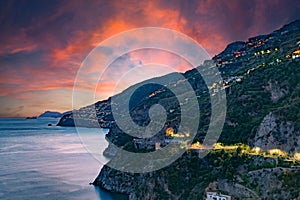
[[43, 43]]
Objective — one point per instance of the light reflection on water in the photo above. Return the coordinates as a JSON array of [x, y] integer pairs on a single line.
[[41, 162]]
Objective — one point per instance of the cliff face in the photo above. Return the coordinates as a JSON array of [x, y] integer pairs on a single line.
[[275, 184], [277, 90], [275, 132], [66, 120], [153, 185], [251, 185], [116, 181]]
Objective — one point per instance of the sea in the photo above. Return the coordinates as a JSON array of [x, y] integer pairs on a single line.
[[38, 161]]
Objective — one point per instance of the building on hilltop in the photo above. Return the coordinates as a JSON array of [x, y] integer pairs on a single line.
[[216, 196]]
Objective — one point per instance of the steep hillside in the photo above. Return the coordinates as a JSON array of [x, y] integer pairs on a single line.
[[269, 76], [261, 78]]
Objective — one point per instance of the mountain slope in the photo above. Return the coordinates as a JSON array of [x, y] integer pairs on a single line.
[[261, 78]]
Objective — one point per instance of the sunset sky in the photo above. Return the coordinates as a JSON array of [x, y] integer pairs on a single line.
[[42, 43]]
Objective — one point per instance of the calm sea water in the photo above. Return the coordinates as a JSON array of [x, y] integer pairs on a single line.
[[38, 161]]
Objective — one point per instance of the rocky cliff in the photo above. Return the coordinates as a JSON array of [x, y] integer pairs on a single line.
[[240, 175], [275, 132], [251, 186]]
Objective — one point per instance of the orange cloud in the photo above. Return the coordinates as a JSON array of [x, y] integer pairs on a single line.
[[42, 51]]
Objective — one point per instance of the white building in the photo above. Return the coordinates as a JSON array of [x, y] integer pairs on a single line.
[[217, 196]]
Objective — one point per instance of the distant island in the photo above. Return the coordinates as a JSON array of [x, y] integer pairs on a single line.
[[33, 117], [51, 114]]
